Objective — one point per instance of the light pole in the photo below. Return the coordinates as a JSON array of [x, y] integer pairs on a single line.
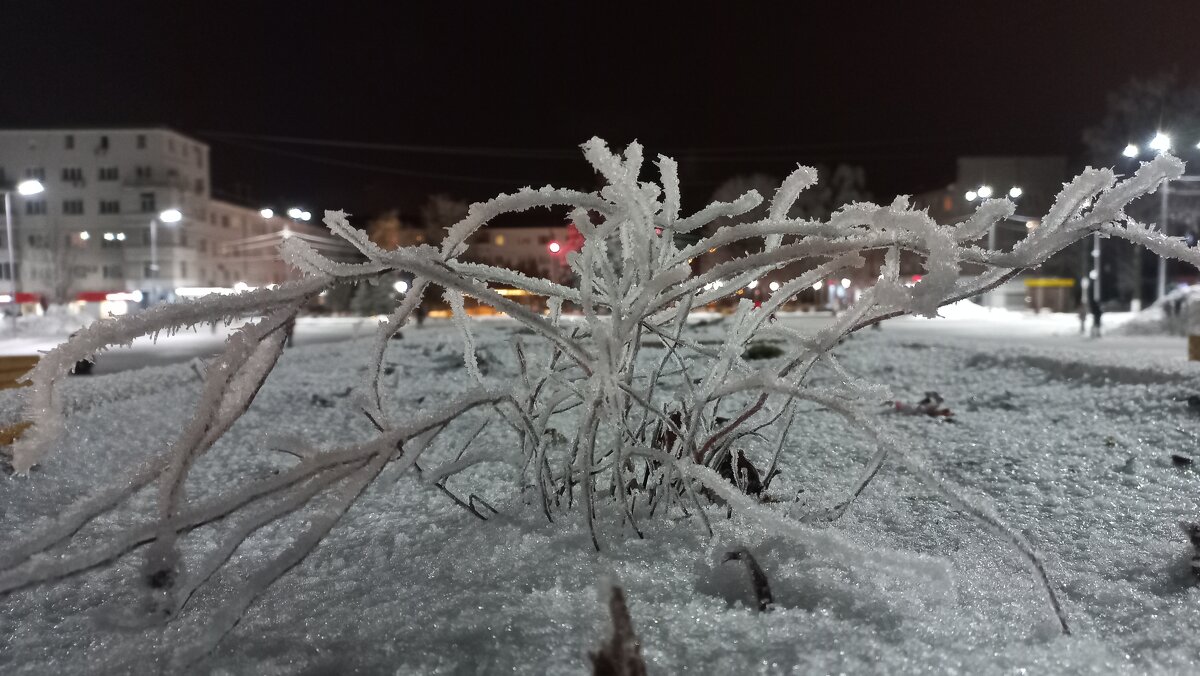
[[984, 192], [167, 216], [1161, 143], [24, 188]]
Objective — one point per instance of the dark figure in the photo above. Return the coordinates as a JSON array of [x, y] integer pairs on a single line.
[[1094, 306], [420, 316]]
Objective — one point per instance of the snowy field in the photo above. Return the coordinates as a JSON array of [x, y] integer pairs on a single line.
[[1069, 439]]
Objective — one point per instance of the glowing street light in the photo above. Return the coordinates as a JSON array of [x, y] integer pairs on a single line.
[[295, 212], [1015, 192], [1130, 151], [845, 282], [167, 216], [752, 284], [985, 191], [774, 286], [24, 188], [554, 247], [818, 285], [120, 237], [267, 213], [1161, 142], [400, 286], [30, 187], [85, 236], [971, 195], [108, 237], [304, 215]]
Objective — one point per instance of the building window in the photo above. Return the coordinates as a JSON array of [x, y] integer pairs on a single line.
[[108, 173], [73, 207], [199, 158], [141, 172], [182, 238], [200, 186], [110, 206], [35, 207], [72, 174], [5, 273], [499, 240], [224, 221], [141, 141], [148, 202], [103, 143], [202, 245], [35, 172], [69, 141], [146, 271], [171, 145], [112, 272]]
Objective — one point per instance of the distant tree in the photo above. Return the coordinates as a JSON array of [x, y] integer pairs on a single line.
[[373, 298], [1133, 114], [386, 230], [836, 187], [440, 212], [54, 253], [1139, 109]]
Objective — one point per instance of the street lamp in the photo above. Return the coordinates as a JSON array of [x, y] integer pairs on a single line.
[[24, 188], [167, 216], [1161, 142], [295, 212], [266, 213], [984, 192]]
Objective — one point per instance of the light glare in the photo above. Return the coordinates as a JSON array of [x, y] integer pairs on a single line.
[[30, 187]]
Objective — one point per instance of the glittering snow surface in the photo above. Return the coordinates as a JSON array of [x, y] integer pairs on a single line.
[[1072, 447]]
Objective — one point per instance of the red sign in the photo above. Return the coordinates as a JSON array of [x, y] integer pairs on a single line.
[[574, 238]]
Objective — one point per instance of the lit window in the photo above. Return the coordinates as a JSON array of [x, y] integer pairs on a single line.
[[499, 240]]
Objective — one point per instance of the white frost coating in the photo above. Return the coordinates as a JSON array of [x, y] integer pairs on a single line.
[[459, 313], [592, 409]]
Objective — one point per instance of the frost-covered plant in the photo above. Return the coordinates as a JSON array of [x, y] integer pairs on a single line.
[[599, 422]]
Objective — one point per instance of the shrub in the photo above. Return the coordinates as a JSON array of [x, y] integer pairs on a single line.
[[596, 418]]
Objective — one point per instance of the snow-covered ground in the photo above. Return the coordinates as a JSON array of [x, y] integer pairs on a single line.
[[202, 341], [1068, 438]]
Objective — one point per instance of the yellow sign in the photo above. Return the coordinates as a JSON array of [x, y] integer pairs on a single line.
[[1053, 282]]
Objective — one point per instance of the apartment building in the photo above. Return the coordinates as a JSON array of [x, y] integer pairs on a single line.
[[97, 229]]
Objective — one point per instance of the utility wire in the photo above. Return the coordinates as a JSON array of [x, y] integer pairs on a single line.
[[317, 159]]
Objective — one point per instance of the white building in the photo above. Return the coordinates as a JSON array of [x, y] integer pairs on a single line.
[[89, 233]]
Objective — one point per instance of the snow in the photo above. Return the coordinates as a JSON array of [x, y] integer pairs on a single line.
[[1161, 317], [1067, 439]]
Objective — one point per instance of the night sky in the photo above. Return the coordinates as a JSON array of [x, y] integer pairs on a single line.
[[500, 95]]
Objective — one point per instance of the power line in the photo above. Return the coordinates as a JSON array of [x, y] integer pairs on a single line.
[[712, 153], [317, 159]]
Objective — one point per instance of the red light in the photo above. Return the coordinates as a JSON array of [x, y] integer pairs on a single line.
[[916, 278], [554, 247]]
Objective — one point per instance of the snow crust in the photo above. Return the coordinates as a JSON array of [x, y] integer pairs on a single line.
[[409, 583]]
